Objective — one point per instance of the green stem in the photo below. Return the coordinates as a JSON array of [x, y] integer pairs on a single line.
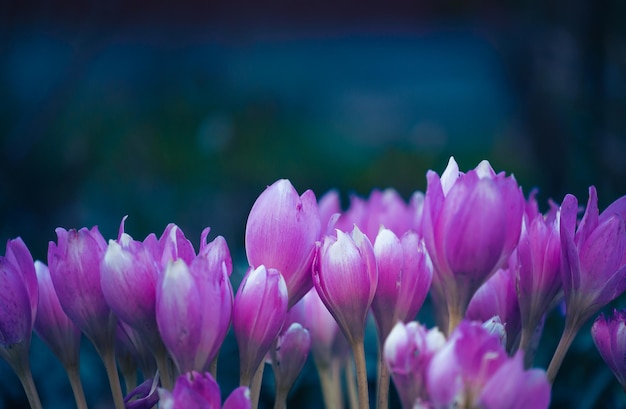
[[213, 367], [26, 378], [351, 382], [383, 381], [358, 349], [329, 374], [108, 358], [77, 386], [567, 337], [163, 367], [255, 385]]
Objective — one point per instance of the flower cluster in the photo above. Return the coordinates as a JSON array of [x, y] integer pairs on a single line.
[[492, 264]]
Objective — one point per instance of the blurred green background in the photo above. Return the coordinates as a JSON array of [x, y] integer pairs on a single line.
[[185, 112]]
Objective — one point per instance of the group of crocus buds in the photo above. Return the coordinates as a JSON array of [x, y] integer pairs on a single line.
[[492, 264]]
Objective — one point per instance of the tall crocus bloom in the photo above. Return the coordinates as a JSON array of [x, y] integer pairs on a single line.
[[58, 332], [281, 232], [404, 276], [288, 359], [345, 276], [194, 306], [128, 277], [407, 351], [74, 265], [18, 308], [473, 370], [258, 316], [609, 336], [497, 297], [471, 224], [195, 390], [537, 267], [593, 264]]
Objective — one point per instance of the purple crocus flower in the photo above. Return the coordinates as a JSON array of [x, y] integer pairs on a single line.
[[259, 313], [75, 268], [404, 277], [289, 357], [537, 267], [609, 336], [195, 390], [471, 224], [281, 232], [129, 273], [194, 306], [52, 324], [407, 353], [345, 275], [473, 370], [497, 297]]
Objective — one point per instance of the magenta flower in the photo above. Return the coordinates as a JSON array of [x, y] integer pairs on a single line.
[[18, 296], [407, 352], [74, 265], [498, 297], [194, 306], [128, 278], [171, 246], [404, 276], [537, 267], [593, 256], [471, 224], [258, 316], [52, 324], [281, 232], [382, 208], [514, 388], [345, 277], [473, 370], [609, 336], [194, 390], [289, 357]]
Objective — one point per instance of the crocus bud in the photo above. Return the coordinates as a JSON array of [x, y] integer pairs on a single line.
[[289, 356], [281, 232], [194, 390], [52, 324], [258, 316], [129, 274], [19, 256], [74, 265], [404, 276], [609, 336], [192, 328], [473, 369], [407, 353], [345, 277], [537, 267], [593, 257], [471, 224], [173, 245], [497, 297], [15, 319]]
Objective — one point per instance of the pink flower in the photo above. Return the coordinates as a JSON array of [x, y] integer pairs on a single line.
[[281, 232], [74, 265], [593, 256], [289, 356], [345, 276], [609, 336], [194, 305], [471, 224], [52, 324], [404, 276], [194, 390], [407, 353], [259, 314]]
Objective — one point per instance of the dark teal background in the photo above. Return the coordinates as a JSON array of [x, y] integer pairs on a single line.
[[184, 112]]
